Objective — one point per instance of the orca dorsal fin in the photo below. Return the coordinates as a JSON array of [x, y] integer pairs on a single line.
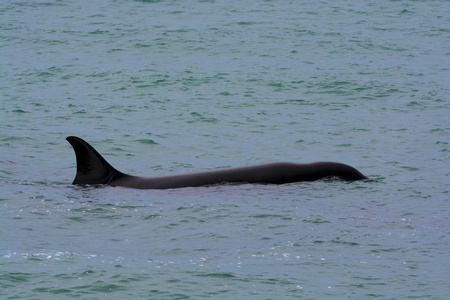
[[92, 168]]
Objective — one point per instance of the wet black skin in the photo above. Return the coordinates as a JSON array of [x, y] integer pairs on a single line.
[[92, 168]]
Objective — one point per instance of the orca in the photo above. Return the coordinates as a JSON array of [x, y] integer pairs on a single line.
[[93, 169]]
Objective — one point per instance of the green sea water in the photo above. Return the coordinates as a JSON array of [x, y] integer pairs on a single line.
[[168, 87]]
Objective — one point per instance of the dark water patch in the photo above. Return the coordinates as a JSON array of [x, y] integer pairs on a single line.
[[275, 84], [339, 241], [55, 291], [315, 220], [150, 1], [296, 101], [409, 168], [17, 277], [131, 280], [198, 117], [191, 220], [13, 138], [154, 216], [226, 93], [385, 250], [102, 287], [222, 275], [99, 31], [246, 23], [45, 74], [264, 216], [77, 219], [156, 294], [97, 16], [147, 142], [80, 112], [99, 74], [144, 86], [115, 50], [414, 104], [19, 111]]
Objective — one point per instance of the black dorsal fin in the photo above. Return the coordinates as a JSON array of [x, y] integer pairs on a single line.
[[92, 168]]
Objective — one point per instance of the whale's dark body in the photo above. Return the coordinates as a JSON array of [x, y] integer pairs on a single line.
[[92, 168]]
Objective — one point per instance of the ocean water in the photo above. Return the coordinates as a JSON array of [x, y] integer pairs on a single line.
[[168, 87]]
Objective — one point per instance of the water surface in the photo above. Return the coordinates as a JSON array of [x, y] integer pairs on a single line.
[[167, 87]]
